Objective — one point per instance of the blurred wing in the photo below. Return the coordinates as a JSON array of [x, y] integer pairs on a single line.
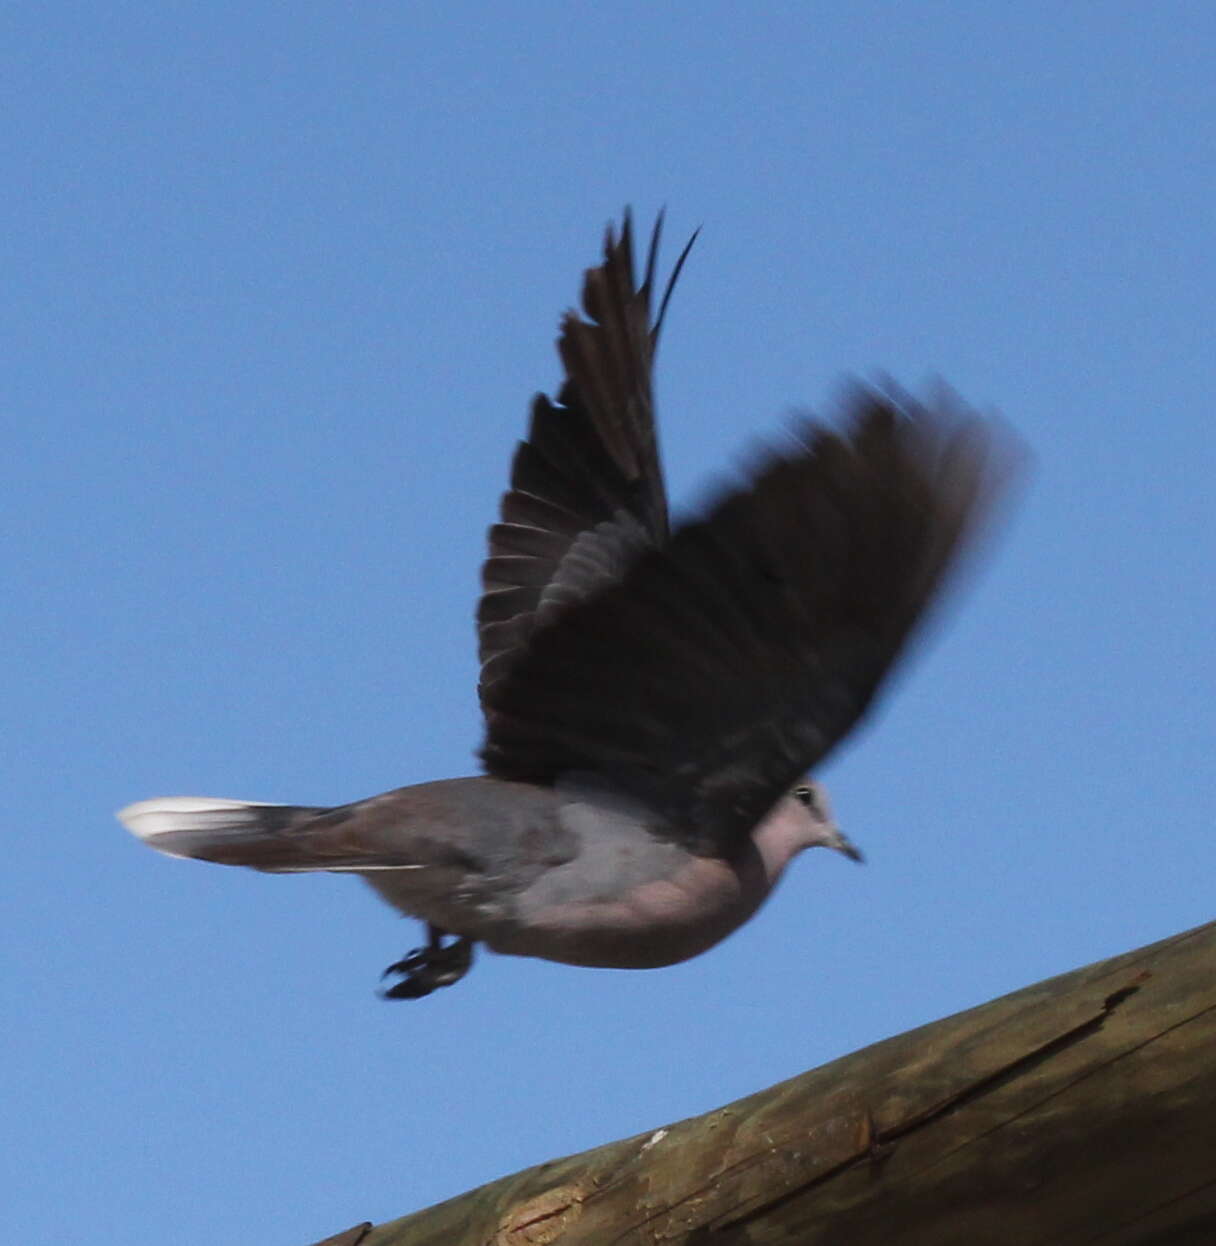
[[586, 493], [734, 659]]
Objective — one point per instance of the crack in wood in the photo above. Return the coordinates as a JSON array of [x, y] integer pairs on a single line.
[[879, 1144], [1015, 1068], [1173, 1201]]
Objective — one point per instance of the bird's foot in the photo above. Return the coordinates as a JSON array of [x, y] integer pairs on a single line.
[[426, 969]]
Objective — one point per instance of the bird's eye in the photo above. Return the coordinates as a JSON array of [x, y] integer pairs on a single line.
[[805, 794]]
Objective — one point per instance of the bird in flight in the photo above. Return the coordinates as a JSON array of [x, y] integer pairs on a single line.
[[654, 696]]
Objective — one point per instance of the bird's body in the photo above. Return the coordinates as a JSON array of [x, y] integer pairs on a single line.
[[653, 698], [569, 873], [577, 877]]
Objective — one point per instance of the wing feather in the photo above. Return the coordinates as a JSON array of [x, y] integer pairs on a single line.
[[727, 662], [586, 492]]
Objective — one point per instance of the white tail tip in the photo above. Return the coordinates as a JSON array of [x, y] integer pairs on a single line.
[[151, 819]]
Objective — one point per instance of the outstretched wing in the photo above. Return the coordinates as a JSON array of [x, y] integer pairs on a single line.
[[586, 493], [732, 660]]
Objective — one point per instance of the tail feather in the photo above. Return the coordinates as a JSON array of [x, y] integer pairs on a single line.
[[230, 832]]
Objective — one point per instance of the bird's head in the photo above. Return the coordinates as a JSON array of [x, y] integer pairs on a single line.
[[802, 819]]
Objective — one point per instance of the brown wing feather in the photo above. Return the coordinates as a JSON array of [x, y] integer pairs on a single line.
[[729, 662], [589, 473]]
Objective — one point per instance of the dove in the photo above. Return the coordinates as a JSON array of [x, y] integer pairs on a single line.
[[655, 696]]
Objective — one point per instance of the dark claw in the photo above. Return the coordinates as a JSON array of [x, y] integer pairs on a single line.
[[410, 962], [427, 969], [408, 988]]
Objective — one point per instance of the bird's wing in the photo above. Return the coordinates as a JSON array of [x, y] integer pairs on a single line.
[[732, 660], [586, 493]]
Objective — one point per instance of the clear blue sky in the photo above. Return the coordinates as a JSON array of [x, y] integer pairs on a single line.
[[280, 280]]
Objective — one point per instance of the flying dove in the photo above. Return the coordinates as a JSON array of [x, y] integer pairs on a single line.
[[653, 696]]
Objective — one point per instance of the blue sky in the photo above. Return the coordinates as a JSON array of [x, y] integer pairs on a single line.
[[280, 281]]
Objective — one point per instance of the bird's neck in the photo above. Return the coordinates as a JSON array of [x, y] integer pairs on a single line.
[[781, 837]]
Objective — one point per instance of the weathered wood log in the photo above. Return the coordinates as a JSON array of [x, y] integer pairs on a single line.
[[1079, 1110]]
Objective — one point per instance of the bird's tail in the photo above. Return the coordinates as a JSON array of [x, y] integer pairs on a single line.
[[230, 832]]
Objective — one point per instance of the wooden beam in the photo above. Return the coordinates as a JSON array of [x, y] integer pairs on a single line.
[[1078, 1110]]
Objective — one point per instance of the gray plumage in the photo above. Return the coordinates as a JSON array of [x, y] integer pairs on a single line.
[[653, 698]]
